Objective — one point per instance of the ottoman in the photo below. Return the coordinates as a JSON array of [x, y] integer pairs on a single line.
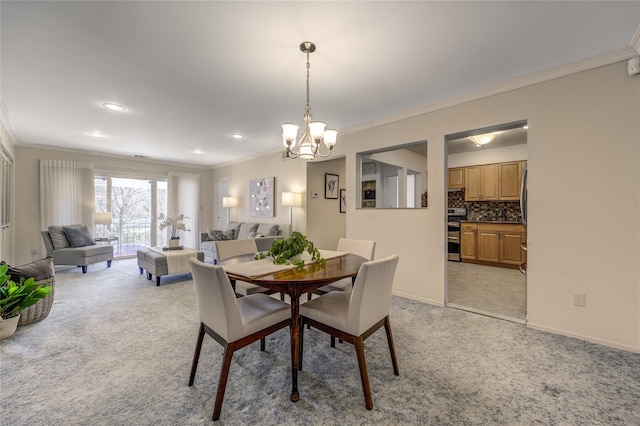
[[156, 262]]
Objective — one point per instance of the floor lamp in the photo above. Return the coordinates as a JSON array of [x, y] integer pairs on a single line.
[[291, 199], [229, 202]]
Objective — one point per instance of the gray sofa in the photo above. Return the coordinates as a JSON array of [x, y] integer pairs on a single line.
[[264, 233], [74, 245]]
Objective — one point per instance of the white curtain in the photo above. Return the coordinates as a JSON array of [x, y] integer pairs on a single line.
[[183, 190], [67, 193]]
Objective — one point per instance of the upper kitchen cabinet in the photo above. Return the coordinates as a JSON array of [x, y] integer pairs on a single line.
[[456, 178], [509, 175], [492, 182], [481, 182]]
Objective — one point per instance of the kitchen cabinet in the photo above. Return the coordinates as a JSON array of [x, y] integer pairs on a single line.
[[456, 178], [468, 233], [481, 182], [509, 176], [494, 243]]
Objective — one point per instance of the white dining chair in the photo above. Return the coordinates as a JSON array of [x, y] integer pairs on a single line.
[[364, 248], [353, 317], [237, 251], [234, 323]]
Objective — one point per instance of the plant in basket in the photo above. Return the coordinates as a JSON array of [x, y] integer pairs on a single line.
[[15, 297]]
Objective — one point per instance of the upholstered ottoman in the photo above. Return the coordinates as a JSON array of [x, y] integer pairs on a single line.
[[157, 263]]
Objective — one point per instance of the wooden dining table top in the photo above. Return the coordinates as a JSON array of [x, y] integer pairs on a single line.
[[310, 277]]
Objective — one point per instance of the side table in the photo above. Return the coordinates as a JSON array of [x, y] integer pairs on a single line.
[[109, 240]]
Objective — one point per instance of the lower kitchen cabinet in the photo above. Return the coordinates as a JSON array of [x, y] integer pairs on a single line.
[[493, 243]]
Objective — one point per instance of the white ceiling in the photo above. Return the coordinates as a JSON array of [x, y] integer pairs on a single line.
[[192, 73]]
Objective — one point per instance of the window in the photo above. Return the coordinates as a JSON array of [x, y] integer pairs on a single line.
[[134, 203]]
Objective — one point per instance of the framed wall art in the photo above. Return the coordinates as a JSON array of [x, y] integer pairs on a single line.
[[331, 186], [343, 201], [261, 197]]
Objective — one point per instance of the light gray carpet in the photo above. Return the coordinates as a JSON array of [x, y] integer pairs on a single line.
[[116, 350]]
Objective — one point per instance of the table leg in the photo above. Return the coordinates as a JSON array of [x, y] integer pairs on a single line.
[[295, 335]]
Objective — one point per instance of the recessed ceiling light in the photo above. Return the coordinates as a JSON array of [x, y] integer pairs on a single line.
[[112, 106], [197, 151], [237, 136], [97, 134], [525, 126]]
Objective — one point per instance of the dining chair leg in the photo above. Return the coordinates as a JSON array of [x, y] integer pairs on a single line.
[[392, 348], [364, 376], [333, 341], [196, 354], [222, 381], [300, 343]]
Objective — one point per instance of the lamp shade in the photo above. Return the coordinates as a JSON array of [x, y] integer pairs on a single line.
[[291, 199], [229, 201], [103, 218]]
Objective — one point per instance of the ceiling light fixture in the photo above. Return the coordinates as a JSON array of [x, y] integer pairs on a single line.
[[481, 140], [314, 131], [97, 134], [237, 136], [112, 106]]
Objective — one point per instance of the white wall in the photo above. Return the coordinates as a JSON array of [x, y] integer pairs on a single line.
[[583, 161], [28, 242]]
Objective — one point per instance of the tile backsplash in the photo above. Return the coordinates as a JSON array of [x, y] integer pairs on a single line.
[[485, 210]]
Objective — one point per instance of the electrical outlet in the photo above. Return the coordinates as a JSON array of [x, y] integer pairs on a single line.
[[578, 299]]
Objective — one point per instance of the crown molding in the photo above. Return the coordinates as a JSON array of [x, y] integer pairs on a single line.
[[506, 86]]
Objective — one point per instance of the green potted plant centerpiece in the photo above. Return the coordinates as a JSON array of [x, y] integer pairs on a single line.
[[287, 251], [14, 297]]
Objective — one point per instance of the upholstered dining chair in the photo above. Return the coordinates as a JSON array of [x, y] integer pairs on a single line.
[[355, 316], [234, 323], [364, 248], [236, 251]]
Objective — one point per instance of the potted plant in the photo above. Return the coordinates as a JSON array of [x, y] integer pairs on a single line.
[[287, 251], [14, 297], [176, 223]]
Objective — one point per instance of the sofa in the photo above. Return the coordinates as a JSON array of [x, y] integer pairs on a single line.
[[74, 245], [264, 233]]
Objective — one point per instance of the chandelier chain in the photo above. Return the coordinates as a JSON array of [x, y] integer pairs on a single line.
[[308, 68]]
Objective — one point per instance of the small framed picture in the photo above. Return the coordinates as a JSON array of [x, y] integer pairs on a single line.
[[331, 186], [343, 201]]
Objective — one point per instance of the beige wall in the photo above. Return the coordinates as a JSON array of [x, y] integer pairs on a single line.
[[583, 157], [325, 223], [29, 245], [7, 235], [290, 176]]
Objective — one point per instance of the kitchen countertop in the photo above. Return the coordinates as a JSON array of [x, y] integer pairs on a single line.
[[505, 222]]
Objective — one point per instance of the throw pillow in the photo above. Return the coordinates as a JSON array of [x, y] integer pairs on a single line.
[[230, 234], [267, 229], [235, 227], [245, 229], [216, 235], [58, 237], [39, 270], [79, 237]]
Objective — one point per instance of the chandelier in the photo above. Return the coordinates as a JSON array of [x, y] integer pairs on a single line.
[[314, 134]]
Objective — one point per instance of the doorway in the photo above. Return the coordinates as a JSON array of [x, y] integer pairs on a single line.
[[483, 180]]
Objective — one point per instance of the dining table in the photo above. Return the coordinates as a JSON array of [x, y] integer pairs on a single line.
[[296, 282]]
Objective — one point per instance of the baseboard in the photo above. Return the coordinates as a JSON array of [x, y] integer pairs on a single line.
[[584, 337], [419, 299]]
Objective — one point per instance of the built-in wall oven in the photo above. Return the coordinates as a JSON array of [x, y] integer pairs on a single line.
[[454, 216]]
